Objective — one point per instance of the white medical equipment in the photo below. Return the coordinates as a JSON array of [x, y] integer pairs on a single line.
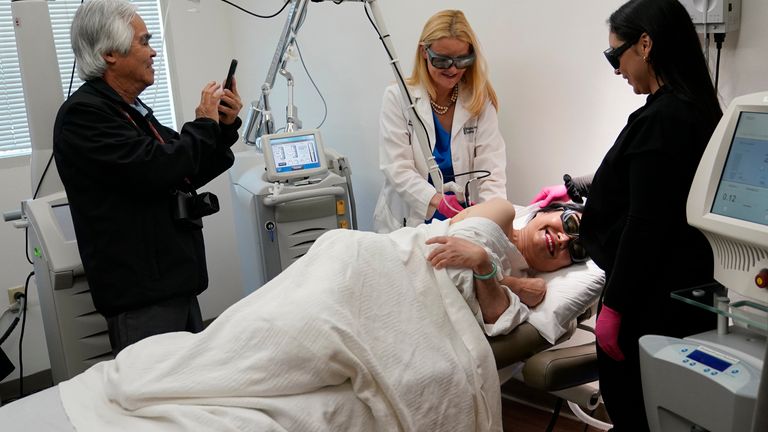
[[284, 199], [75, 334], [728, 202], [296, 155], [42, 88], [714, 16]]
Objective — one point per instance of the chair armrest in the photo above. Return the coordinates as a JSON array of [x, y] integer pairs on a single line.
[[557, 369], [520, 344]]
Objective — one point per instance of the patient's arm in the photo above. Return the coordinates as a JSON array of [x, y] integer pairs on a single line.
[[530, 290], [458, 252], [490, 295], [498, 210]]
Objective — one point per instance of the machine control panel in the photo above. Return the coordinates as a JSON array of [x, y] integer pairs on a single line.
[[724, 369]]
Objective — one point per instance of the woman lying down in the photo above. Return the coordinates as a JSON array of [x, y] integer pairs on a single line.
[[361, 334]]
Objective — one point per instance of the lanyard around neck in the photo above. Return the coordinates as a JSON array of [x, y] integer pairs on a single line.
[[151, 126]]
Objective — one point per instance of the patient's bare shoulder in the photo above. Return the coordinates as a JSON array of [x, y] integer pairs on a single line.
[[498, 210]]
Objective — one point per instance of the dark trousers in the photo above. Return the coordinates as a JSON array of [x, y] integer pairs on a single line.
[[176, 314], [622, 391]]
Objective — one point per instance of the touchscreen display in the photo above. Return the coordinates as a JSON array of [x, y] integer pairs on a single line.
[[742, 192], [295, 153]]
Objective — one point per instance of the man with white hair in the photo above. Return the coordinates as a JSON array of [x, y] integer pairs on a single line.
[[131, 181]]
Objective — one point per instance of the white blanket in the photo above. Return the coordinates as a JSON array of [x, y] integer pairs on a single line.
[[361, 334]]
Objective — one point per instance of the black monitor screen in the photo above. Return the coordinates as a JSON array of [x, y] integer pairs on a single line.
[[742, 192]]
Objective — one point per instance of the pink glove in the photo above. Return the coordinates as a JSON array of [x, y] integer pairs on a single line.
[[551, 193], [450, 206], [607, 332]]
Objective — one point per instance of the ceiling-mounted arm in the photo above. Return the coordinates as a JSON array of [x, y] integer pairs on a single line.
[[259, 120]]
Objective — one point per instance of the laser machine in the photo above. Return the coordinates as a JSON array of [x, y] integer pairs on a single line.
[[716, 381], [284, 199]]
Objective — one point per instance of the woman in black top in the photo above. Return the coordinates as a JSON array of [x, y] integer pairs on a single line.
[[634, 225]]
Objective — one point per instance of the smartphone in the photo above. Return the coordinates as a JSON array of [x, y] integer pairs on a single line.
[[228, 81], [230, 74]]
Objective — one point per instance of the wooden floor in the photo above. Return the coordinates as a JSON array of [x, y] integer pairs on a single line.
[[517, 417]]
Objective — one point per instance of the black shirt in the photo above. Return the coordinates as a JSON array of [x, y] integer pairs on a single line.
[[634, 224], [119, 168]]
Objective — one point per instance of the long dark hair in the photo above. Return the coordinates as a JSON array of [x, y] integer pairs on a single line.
[[560, 206], [676, 55]]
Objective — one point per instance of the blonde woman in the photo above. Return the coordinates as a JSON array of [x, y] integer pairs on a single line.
[[458, 105]]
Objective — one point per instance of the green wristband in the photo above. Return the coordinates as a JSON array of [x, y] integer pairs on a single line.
[[486, 276]]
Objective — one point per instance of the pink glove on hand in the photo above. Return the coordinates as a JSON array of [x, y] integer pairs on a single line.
[[450, 206], [551, 193], [607, 332]]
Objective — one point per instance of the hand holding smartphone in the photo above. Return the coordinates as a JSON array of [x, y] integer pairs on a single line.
[[230, 74]]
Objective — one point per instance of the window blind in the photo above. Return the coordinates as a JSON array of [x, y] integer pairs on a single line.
[[14, 132]]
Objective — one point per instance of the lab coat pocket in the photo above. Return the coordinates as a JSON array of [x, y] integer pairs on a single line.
[[383, 219]]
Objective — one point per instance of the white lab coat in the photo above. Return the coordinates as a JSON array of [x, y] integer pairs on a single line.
[[476, 144]]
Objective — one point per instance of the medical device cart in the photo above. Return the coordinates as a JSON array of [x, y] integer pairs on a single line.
[[277, 222], [75, 334], [716, 381]]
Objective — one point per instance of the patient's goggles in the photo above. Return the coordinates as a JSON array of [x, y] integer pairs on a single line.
[[571, 222]]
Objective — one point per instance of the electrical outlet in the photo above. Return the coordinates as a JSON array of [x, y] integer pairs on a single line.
[[12, 292]]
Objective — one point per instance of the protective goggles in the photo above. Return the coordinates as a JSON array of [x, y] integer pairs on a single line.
[[571, 222], [445, 62], [614, 54]]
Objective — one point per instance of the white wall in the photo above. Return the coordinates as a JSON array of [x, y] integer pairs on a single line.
[[561, 105], [200, 47], [548, 70]]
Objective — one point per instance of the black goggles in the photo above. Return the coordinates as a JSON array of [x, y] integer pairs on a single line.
[[614, 54], [445, 62], [571, 222]]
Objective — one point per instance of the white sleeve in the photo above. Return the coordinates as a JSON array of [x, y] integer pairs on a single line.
[[515, 315], [491, 155], [396, 157]]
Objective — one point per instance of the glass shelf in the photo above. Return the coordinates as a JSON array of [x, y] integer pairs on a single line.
[[746, 312]]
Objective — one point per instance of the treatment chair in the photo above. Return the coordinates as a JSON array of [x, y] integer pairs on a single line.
[[540, 352], [566, 372]]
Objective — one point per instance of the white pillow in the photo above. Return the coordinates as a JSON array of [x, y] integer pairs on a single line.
[[570, 291]]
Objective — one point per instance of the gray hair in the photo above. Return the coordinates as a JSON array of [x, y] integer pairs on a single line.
[[100, 27]]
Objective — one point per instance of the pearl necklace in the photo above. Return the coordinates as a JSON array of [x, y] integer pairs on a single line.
[[440, 109]]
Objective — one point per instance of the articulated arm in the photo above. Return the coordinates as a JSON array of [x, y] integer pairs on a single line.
[[259, 120]]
